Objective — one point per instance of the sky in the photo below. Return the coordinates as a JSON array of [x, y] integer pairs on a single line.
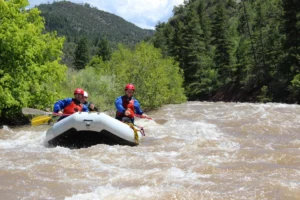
[[143, 13]]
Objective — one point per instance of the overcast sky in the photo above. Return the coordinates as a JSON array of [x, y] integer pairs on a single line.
[[143, 13]]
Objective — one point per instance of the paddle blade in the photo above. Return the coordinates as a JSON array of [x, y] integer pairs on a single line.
[[32, 111], [160, 121], [40, 120]]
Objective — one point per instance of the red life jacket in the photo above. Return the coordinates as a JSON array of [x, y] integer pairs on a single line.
[[128, 105], [72, 108], [130, 108]]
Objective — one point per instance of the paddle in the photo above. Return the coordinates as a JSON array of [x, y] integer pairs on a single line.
[[40, 119], [32, 111], [158, 121]]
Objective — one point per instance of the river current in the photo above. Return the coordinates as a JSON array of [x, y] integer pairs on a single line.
[[204, 151]]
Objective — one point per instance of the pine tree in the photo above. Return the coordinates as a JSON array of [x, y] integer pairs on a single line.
[[205, 25], [291, 29], [236, 43], [193, 45], [290, 66], [177, 49], [81, 54], [267, 40], [198, 35], [104, 49], [222, 43]]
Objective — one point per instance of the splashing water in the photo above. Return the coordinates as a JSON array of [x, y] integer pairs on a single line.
[[204, 151]]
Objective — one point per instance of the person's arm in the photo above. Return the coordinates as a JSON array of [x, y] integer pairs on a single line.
[[137, 107], [84, 108], [87, 104], [119, 105], [61, 104]]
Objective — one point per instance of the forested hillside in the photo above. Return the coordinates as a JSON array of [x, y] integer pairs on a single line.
[[236, 50], [75, 22]]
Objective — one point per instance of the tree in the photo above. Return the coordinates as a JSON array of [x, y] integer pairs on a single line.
[[290, 66], [196, 59], [193, 45], [29, 60], [158, 79], [205, 80], [223, 46], [246, 49], [291, 29], [81, 54], [104, 49]]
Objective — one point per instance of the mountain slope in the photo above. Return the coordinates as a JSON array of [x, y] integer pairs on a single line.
[[76, 21]]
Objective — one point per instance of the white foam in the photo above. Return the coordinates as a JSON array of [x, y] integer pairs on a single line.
[[6, 128], [199, 148], [114, 192], [23, 140]]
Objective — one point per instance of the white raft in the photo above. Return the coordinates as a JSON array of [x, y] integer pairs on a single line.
[[86, 129]]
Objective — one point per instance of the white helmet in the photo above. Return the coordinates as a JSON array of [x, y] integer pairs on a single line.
[[85, 94]]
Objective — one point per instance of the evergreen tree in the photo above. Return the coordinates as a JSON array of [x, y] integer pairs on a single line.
[[193, 45], [163, 38], [159, 39], [81, 54], [177, 50], [104, 49], [207, 76], [198, 62], [291, 29], [222, 43], [236, 44], [290, 66], [205, 25]]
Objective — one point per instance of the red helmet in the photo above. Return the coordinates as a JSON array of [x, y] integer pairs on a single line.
[[78, 91], [130, 86]]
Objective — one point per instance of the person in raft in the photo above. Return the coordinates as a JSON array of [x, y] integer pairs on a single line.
[[127, 105], [69, 106], [89, 105]]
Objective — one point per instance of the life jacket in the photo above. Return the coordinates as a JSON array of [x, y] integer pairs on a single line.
[[73, 107], [128, 105], [130, 108]]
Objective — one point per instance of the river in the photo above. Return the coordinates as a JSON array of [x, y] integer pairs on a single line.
[[204, 151]]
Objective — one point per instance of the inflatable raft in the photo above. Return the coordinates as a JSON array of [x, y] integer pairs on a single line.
[[86, 129]]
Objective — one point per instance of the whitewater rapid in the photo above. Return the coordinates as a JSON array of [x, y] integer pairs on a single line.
[[204, 151]]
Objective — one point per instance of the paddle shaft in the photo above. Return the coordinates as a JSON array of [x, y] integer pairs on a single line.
[[32, 111], [158, 121], [141, 116]]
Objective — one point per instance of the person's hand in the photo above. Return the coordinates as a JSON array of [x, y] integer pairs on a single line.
[[127, 112], [60, 112], [144, 115], [92, 106]]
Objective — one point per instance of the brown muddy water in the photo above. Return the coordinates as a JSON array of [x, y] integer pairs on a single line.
[[204, 151]]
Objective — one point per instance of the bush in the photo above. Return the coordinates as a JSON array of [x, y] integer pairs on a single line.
[[29, 60], [158, 80]]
